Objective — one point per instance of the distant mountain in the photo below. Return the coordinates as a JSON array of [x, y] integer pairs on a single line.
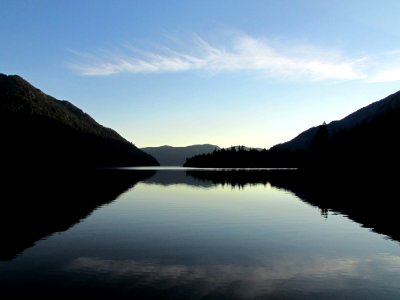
[[37, 129], [362, 116], [176, 156]]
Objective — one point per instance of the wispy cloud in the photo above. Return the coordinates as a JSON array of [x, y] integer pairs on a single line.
[[384, 67], [242, 53]]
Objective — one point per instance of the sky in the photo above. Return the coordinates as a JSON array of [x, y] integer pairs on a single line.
[[225, 72]]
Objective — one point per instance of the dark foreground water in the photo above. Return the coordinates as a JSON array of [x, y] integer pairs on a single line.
[[175, 236]]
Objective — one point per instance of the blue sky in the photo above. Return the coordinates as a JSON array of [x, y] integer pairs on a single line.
[[253, 73]]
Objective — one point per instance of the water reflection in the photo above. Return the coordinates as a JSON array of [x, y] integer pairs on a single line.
[[36, 204], [294, 277], [197, 235], [369, 198], [168, 177]]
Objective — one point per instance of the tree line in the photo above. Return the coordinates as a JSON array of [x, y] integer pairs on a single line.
[[373, 144]]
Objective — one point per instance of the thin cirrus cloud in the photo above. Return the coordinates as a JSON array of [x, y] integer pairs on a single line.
[[385, 67], [243, 53]]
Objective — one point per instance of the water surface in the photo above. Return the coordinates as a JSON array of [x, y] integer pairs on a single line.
[[174, 236]]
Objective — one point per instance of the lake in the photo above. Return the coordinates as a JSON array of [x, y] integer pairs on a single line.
[[188, 234]]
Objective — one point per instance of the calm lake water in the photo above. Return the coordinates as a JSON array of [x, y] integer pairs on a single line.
[[175, 236]]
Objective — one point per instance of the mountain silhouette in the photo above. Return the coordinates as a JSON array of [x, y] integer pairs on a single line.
[[176, 156], [37, 129], [364, 115], [366, 139]]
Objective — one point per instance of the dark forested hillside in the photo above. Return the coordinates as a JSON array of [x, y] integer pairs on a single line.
[[362, 116], [37, 129], [243, 157], [371, 143]]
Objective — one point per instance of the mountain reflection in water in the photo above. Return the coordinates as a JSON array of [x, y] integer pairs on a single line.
[[34, 207], [198, 234], [368, 198], [37, 204]]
